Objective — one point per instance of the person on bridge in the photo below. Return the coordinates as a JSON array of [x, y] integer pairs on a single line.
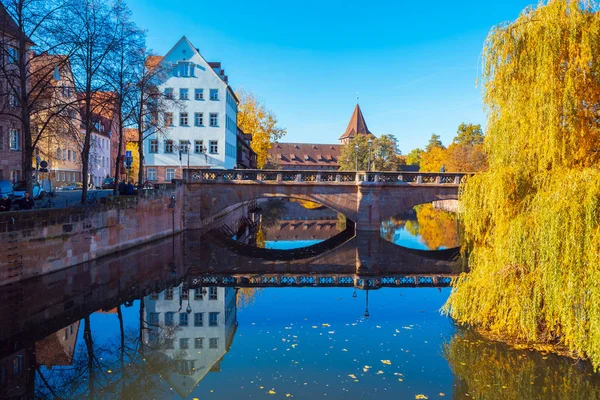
[[26, 203], [5, 203], [443, 169]]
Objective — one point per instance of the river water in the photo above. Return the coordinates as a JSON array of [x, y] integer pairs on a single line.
[[174, 320]]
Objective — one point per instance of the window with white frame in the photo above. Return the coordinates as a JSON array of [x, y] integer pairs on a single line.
[[198, 146], [199, 119], [214, 119], [153, 146], [183, 146], [183, 319], [199, 319], [199, 343], [169, 119], [58, 153], [170, 174], [213, 319], [199, 94], [212, 293], [184, 343], [183, 119], [151, 174], [169, 93], [213, 146], [213, 343], [168, 146], [13, 100], [214, 94], [184, 94], [14, 139]]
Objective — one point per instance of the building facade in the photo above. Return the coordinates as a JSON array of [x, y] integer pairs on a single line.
[[246, 157], [192, 329], [202, 123], [11, 138], [312, 156]]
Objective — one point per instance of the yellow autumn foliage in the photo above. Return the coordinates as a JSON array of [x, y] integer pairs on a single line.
[[532, 220]]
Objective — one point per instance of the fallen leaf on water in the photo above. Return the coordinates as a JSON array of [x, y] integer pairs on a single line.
[[344, 350], [352, 376], [442, 394], [386, 362], [288, 395], [421, 396], [271, 391], [325, 325]]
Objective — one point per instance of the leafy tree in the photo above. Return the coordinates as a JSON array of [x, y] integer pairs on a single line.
[[434, 142], [468, 134], [532, 220], [254, 118], [414, 157], [383, 153]]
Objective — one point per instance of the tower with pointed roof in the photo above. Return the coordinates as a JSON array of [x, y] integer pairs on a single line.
[[356, 126]]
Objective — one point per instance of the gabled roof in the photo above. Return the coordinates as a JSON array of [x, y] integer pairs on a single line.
[[357, 125], [306, 154]]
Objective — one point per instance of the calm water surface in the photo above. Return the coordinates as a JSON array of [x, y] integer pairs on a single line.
[[146, 325]]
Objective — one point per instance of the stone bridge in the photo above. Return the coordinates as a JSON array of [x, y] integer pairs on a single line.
[[368, 198]]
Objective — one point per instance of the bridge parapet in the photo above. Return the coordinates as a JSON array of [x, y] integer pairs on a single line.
[[322, 177]]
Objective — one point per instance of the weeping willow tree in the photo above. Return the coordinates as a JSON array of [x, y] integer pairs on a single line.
[[531, 222]]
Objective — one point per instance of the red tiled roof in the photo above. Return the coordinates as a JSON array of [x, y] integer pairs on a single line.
[[153, 61], [306, 154], [357, 125]]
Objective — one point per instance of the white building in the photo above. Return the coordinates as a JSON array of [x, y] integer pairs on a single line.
[[99, 161], [192, 330], [204, 129]]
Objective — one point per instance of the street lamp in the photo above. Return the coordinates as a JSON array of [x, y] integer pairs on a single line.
[[370, 144], [367, 306], [356, 153]]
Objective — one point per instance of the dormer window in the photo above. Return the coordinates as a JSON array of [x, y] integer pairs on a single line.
[[306, 157], [185, 68], [56, 74]]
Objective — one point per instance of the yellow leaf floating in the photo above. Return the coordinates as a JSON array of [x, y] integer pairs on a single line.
[[352, 376], [288, 395], [386, 362], [272, 391], [421, 397]]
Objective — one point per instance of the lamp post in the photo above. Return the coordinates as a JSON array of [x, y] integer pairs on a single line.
[[356, 154], [367, 305], [370, 144]]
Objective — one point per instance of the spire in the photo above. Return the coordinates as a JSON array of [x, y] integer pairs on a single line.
[[357, 125]]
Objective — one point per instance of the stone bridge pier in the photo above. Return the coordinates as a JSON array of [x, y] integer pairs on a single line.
[[367, 198]]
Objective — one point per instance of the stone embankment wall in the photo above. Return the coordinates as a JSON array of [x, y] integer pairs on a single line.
[[41, 241]]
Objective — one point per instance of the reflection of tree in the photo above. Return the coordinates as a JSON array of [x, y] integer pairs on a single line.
[[341, 222], [309, 205], [247, 296], [437, 228], [260, 237], [271, 212], [492, 370]]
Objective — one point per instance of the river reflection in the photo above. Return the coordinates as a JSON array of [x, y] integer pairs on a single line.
[[157, 322], [424, 228]]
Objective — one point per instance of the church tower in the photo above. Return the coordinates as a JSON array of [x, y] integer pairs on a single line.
[[357, 126]]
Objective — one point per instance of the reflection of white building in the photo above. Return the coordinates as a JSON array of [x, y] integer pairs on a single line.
[[192, 329]]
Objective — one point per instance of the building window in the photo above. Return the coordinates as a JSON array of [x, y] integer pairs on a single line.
[[183, 119], [198, 149], [169, 344], [169, 294], [13, 54], [169, 93], [184, 294], [184, 343], [153, 318], [58, 154], [170, 174], [213, 319], [183, 146], [183, 319], [214, 119], [214, 146], [199, 343], [199, 119], [14, 139], [15, 176], [169, 316], [153, 146], [169, 119], [213, 343], [199, 94], [154, 296], [212, 293], [184, 94], [69, 155], [198, 294], [168, 146], [214, 94], [18, 366], [152, 174], [184, 69], [13, 100], [199, 319]]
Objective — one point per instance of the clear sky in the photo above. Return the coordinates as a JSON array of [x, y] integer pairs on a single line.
[[414, 64]]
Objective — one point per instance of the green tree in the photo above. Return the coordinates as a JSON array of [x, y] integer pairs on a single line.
[[383, 153], [434, 142], [532, 220], [468, 134], [414, 157]]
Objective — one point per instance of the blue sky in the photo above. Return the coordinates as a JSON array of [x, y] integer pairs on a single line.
[[413, 64]]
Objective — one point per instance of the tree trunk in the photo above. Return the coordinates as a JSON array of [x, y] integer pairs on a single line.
[[141, 159], [119, 160], [85, 154], [87, 337]]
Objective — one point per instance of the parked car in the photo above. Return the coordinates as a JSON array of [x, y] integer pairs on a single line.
[[6, 187], [19, 189], [108, 183]]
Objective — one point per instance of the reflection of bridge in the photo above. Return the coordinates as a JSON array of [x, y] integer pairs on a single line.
[[365, 197]]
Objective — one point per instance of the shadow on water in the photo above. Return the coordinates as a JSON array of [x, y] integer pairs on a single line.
[[157, 322]]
